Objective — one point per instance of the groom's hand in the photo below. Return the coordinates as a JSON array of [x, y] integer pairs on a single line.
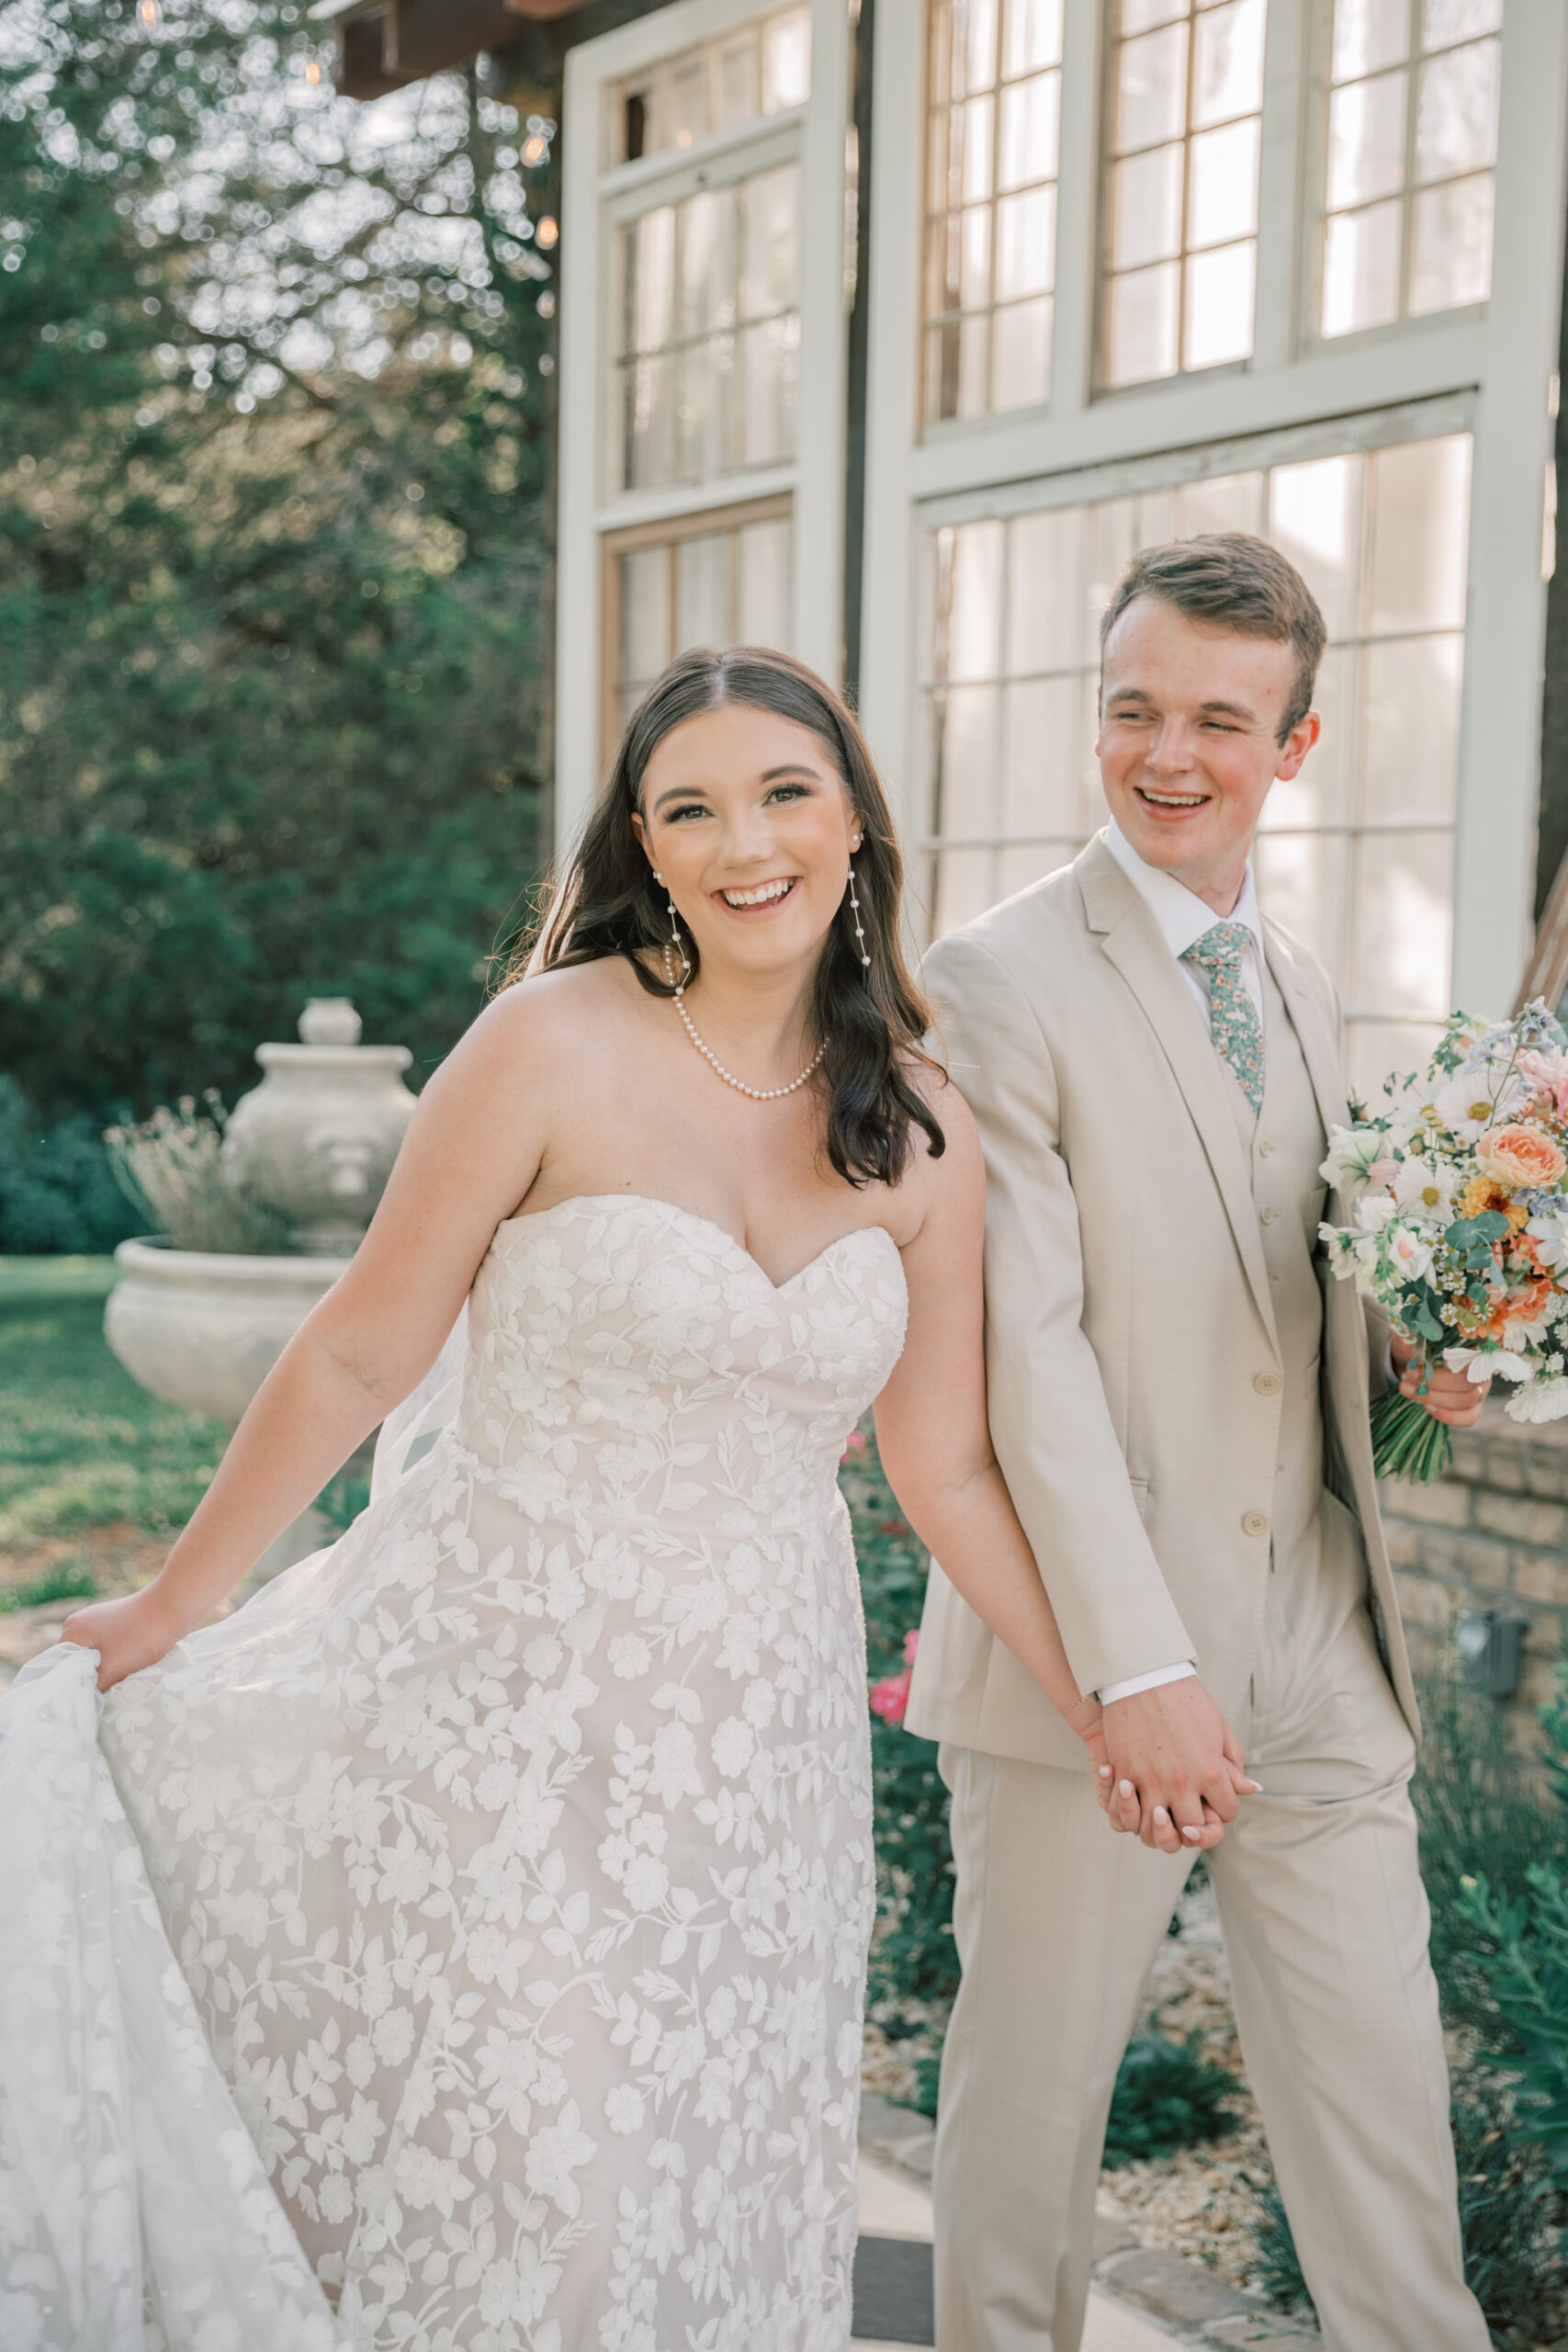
[[1449, 1397], [1176, 1768]]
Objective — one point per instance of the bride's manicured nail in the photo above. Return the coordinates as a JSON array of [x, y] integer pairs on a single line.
[[1126, 1789], [1192, 1835], [1105, 1771], [1161, 1815], [1252, 1788]]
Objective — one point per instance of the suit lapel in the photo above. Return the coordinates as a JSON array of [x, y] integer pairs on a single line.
[[1320, 1049], [1129, 939]]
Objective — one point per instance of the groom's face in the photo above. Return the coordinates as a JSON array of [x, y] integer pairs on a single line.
[[1190, 741]]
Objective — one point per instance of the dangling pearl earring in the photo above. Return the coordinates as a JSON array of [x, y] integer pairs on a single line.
[[854, 911], [676, 941]]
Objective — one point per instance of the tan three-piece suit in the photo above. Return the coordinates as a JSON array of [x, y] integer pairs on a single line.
[[1178, 1403]]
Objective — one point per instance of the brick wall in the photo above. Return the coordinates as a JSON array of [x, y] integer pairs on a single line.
[[1492, 1533]]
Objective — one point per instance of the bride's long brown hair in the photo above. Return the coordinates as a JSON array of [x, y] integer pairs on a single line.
[[605, 903]]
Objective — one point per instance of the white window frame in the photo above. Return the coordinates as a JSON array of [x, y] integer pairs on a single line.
[[595, 200], [1504, 356]]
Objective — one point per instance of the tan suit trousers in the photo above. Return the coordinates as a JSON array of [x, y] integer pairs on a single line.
[[1324, 1917]]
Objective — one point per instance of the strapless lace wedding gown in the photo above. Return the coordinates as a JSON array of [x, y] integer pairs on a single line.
[[517, 1854]]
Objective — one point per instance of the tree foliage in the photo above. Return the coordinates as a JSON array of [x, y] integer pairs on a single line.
[[274, 438]]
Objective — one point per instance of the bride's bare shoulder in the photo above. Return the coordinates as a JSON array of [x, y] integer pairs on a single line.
[[563, 1011]]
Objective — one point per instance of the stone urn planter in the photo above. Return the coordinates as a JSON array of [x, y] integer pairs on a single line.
[[203, 1331], [317, 1138]]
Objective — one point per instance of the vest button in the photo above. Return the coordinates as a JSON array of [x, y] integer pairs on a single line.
[[1266, 1216], [1264, 1149], [1267, 1383], [1255, 1522]]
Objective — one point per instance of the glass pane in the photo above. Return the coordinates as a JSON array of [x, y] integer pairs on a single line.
[[1366, 140], [1410, 742], [1230, 502], [1360, 269], [1368, 35], [962, 886], [1020, 355], [1041, 758], [1223, 201], [1145, 208], [1420, 509], [974, 45], [1028, 131], [649, 423], [1446, 20], [1017, 868], [769, 269], [769, 373], [704, 372], [1450, 236], [706, 273], [943, 264], [1219, 306], [1304, 879], [941, 373], [737, 82], [644, 613], [1111, 536], [1026, 243], [975, 258], [649, 248], [686, 101], [1402, 940], [965, 804], [1151, 99], [975, 620], [1045, 554], [1141, 325], [1228, 78], [1456, 111], [1031, 35], [704, 598], [1137, 15], [786, 61], [1315, 518], [762, 555], [972, 131], [974, 382]]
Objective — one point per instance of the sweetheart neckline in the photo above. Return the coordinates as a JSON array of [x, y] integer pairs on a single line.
[[695, 1216]]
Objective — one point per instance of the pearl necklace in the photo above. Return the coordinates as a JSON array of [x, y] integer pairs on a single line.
[[757, 1093]]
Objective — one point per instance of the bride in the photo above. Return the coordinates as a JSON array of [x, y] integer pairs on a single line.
[[516, 1853]]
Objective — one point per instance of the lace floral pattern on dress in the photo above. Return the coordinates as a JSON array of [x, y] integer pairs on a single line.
[[517, 1851]]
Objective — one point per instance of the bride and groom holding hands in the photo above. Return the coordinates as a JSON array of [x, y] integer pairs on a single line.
[[516, 1853]]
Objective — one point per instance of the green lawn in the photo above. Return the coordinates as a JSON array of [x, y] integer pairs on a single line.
[[84, 1451]]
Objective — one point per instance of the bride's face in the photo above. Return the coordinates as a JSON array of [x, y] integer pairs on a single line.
[[748, 820]]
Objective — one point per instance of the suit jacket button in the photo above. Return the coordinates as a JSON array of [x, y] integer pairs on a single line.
[[1266, 1216], [1267, 1383], [1255, 1522]]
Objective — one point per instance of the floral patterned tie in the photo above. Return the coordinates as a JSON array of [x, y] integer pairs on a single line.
[[1233, 1017]]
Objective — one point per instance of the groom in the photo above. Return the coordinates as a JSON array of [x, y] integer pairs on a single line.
[[1179, 1406]]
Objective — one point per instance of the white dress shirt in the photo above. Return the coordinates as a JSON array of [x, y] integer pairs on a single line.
[[1183, 917]]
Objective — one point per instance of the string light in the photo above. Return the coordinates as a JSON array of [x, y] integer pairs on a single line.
[[548, 231], [535, 147], [313, 72], [149, 12]]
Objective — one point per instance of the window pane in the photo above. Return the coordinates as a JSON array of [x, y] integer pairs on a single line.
[[649, 247], [1017, 868], [705, 274], [1028, 147], [1151, 98], [1360, 269], [645, 614], [1315, 518], [763, 586], [1401, 946], [1420, 497], [1146, 199], [967, 777], [974, 44], [1323, 793], [1451, 260], [1031, 35], [1410, 742], [718, 86], [1230, 502], [1046, 563], [1228, 63], [1042, 759], [786, 61], [973, 635], [1448, 20], [962, 886], [973, 133], [649, 423], [1307, 877], [1368, 34], [1020, 355], [1456, 112], [1026, 243], [703, 591], [769, 261], [736, 83], [1219, 306], [1222, 202], [769, 375], [1142, 324], [1366, 140]]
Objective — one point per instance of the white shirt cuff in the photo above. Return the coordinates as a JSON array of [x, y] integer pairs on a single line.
[[1137, 1682]]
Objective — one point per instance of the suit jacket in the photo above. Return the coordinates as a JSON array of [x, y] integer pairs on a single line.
[[1128, 1316]]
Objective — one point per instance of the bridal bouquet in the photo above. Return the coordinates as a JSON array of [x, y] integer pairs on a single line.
[[1460, 1224]]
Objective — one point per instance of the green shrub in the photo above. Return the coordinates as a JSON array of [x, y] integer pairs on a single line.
[[58, 1193], [67, 1580], [1167, 2096]]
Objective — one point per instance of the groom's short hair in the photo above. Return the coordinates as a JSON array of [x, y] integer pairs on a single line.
[[1231, 580]]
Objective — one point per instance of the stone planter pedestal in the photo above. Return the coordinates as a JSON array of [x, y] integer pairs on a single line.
[[203, 1330]]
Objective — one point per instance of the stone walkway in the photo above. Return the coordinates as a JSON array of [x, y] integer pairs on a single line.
[[1142, 2300]]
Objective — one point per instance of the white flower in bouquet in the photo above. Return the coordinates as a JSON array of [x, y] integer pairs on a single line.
[[1409, 1253], [1549, 1231], [1374, 1211], [1480, 1363], [1352, 1152], [1425, 1187], [1539, 1400], [1476, 1099]]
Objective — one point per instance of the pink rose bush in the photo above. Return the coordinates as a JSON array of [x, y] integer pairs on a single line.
[[1458, 1221], [891, 1696]]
